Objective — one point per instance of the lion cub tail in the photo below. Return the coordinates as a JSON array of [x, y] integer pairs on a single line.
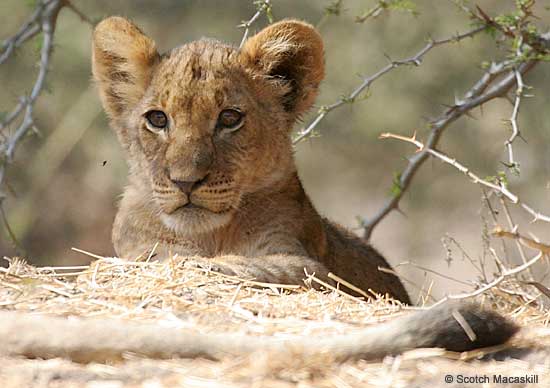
[[456, 327]]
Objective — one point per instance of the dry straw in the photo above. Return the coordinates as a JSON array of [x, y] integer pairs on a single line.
[[180, 293]]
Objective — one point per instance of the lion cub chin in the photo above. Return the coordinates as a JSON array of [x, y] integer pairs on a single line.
[[206, 130]]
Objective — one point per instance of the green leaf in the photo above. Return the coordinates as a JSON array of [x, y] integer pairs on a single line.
[[264, 6], [31, 3], [396, 188], [403, 6], [334, 8], [38, 42], [407, 6]]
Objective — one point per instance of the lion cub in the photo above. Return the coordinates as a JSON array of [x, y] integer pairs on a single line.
[[206, 130]]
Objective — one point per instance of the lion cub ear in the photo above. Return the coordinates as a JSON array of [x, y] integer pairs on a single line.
[[123, 59], [290, 53]]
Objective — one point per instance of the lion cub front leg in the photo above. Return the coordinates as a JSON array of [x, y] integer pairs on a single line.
[[274, 268]]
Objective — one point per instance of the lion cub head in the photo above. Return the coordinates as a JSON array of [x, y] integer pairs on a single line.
[[206, 123]]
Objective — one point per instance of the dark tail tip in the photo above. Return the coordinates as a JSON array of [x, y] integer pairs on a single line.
[[461, 327]]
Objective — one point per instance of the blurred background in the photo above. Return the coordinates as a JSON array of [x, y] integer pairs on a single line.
[[65, 183]]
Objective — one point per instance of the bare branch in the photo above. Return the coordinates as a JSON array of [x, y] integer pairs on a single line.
[[487, 88], [18, 247], [426, 269], [79, 13], [525, 241], [43, 20], [515, 112], [544, 250], [265, 6], [28, 30], [499, 187], [513, 226], [506, 273], [384, 5], [415, 60]]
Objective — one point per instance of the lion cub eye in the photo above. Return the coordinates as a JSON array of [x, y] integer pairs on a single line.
[[156, 119], [230, 119]]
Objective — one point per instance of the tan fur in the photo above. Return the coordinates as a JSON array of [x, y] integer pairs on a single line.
[[249, 215]]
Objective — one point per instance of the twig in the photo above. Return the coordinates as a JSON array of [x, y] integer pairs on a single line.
[[404, 279], [512, 225], [464, 324], [247, 24], [312, 277], [338, 279], [80, 14], [87, 253], [425, 269], [381, 6], [372, 12], [515, 112], [498, 187], [506, 273], [543, 249], [494, 214], [484, 90], [11, 234], [415, 60], [27, 31], [43, 20], [525, 241], [446, 240]]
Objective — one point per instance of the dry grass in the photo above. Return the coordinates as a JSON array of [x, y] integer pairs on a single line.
[[178, 293]]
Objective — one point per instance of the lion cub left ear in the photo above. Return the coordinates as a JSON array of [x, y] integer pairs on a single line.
[[123, 59], [290, 53]]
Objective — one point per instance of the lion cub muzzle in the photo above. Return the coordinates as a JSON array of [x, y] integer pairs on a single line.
[[188, 186]]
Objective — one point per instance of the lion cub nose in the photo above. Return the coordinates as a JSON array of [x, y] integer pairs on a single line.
[[187, 186]]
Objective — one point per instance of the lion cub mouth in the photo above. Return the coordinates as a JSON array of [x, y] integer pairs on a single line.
[[181, 205], [189, 206], [178, 205]]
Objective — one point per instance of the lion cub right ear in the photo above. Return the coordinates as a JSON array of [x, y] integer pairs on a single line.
[[123, 59], [289, 53]]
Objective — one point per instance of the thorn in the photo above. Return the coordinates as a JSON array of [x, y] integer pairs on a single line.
[[398, 209], [458, 101], [532, 235], [470, 115], [36, 131], [522, 138], [509, 99], [484, 15], [430, 39]]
